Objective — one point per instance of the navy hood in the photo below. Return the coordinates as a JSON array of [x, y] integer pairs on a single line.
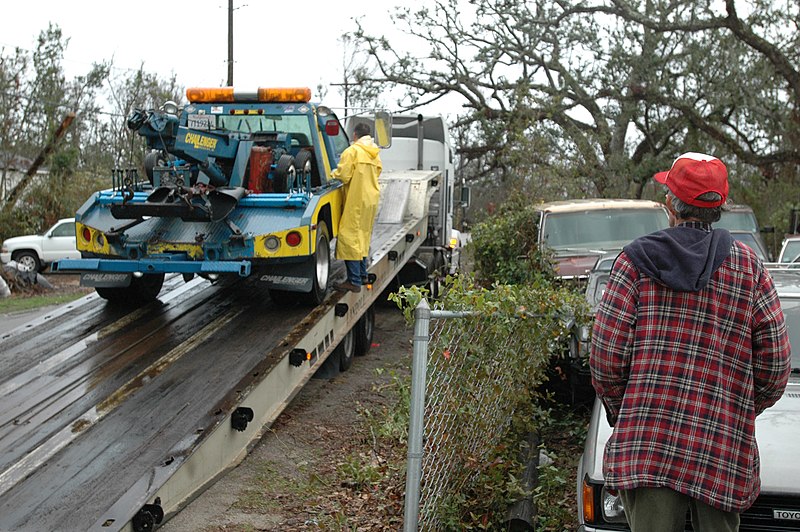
[[682, 258]]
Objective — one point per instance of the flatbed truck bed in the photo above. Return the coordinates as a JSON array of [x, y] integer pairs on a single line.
[[114, 417]]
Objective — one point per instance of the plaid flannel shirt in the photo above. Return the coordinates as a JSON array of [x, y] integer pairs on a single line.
[[683, 376]]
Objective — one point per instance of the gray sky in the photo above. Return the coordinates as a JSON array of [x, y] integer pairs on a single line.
[[276, 43]]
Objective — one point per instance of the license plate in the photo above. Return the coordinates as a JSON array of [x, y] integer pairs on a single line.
[[789, 515]]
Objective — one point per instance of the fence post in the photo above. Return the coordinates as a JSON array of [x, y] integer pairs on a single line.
[[419, 366]]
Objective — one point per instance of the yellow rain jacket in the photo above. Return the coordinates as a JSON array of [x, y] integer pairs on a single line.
[[359, 168]]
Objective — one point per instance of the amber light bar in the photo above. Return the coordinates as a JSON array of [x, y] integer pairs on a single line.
[[262, 94]]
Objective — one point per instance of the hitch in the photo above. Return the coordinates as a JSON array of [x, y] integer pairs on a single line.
[[148, 517]]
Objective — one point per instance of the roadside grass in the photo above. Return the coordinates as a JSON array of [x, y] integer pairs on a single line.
[[268, 479], [18, 304]]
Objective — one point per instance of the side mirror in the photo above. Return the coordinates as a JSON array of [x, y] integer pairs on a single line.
[[768, 229], [465, 196], [332, 128], [383, 129]]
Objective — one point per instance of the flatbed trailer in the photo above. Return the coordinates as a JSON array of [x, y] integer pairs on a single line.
[[115, 419]]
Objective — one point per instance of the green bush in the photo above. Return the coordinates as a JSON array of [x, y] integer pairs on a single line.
[[505, 246]]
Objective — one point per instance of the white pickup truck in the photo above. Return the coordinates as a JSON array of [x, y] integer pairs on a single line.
[[34, 252]]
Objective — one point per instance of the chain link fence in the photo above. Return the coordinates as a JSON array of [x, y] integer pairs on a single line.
[[470, 372]]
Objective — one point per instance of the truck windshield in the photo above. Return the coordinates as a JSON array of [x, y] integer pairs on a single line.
[[737, 221], [297, 125], [600, 229]]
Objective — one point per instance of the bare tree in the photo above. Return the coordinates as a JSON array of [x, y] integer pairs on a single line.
[[590, 98]]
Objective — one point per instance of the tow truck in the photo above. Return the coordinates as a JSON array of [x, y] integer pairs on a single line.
[[116, 416], [238, 183]]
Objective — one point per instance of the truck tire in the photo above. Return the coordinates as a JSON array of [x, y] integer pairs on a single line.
[[142, 290], [345, 351], [322, 267], [363, 332], [27, 261], [302, 165], [284, 173]]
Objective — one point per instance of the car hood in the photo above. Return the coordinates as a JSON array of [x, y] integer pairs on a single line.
[[26, 239], [575, 265], [776, 432]]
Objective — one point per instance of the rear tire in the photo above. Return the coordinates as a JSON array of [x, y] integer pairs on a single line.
[[345, 351], [142, 290], [322, 267], [363, 331]]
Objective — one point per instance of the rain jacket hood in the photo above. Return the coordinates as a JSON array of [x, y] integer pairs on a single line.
[[682, 258], [368, 147]]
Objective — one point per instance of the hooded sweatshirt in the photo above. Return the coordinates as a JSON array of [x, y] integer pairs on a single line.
[[682, 258], [688, 346]]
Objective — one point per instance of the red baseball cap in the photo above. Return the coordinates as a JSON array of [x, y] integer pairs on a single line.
[[692, 175]]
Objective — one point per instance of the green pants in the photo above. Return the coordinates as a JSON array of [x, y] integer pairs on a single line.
[[664, 510]]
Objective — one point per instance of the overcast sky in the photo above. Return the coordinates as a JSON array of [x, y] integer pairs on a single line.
[[276, 43]]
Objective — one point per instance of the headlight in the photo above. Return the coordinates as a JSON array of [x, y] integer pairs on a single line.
[[613, 512]]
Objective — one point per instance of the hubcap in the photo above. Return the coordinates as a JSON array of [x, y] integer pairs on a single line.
[[323, 264], [26, 263]]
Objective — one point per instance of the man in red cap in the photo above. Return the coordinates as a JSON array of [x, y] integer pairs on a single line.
[[689, 345]]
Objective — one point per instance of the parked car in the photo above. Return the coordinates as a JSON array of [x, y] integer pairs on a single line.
[[790, 250], [741, 218], [753, 242], [33, 253], [578, 232], [778, 434]]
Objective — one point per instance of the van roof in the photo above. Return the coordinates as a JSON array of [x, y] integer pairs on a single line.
[[598, 204]]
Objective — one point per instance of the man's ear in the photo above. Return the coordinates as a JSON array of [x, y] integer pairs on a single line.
[[671, 211]]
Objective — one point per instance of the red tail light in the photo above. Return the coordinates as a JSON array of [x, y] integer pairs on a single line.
[[293, 239]]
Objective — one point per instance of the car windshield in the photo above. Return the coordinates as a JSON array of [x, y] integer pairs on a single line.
[[738, 221], [791, 251], [600, 229], [750, 240], [791, 310]]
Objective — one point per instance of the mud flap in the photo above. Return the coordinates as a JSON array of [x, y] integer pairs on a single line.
[[106, 279], [291, 277]]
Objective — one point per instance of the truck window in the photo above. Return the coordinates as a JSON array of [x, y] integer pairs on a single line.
[[738, 221], [65, 229], [297, 125], [340, 143], [600, 229]]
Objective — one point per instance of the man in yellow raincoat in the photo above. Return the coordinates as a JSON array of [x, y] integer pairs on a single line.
[[359, 168]]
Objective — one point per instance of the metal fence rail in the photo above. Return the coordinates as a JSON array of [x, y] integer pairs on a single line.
[[467, 375]]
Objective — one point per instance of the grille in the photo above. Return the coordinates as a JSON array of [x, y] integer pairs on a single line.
[[760, 516]]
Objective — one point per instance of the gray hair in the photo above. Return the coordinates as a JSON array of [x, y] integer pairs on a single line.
[[707, 215]]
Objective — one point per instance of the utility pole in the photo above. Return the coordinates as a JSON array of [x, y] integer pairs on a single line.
[[230, 43], [346, 86]]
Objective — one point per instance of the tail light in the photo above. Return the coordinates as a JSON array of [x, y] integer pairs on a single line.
[[293, 239]]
